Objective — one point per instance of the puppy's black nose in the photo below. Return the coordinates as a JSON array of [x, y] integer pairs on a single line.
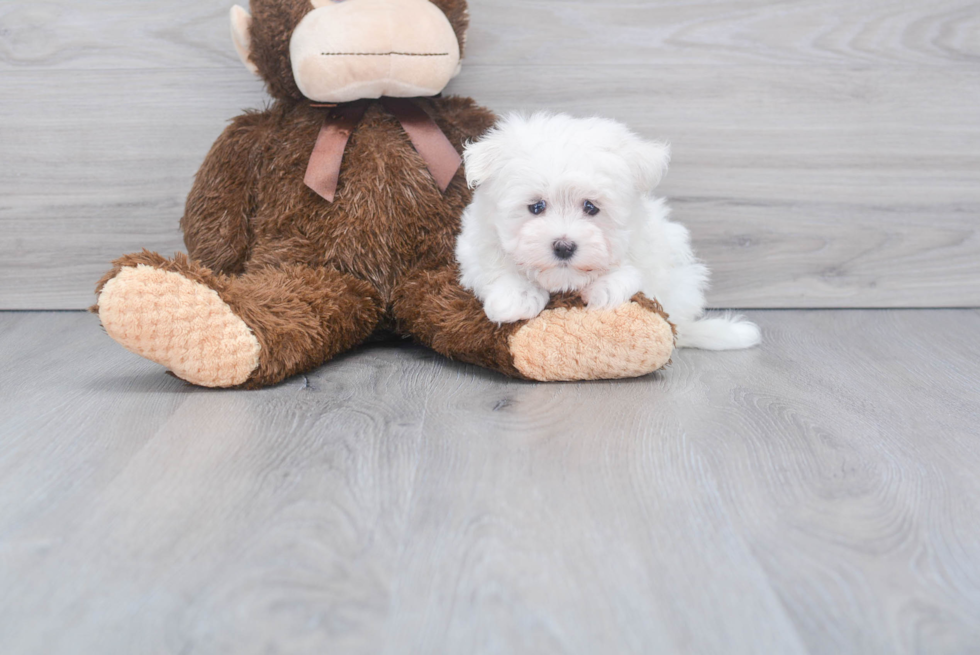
[[564, 249]]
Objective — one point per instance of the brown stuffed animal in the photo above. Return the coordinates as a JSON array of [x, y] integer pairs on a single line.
[[331, 216]]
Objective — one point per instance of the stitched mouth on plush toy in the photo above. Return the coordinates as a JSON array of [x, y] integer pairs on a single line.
[[385, 54]]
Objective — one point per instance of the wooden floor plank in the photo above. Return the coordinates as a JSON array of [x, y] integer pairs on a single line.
[[817, 494], [109, 34]]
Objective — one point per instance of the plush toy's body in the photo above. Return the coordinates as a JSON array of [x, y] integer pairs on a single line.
[[279, 280]]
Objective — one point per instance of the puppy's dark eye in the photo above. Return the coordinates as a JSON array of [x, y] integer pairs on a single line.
[[538, 207], [589, 208]]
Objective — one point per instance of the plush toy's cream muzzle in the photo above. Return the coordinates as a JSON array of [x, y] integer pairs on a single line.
[[348, 50]]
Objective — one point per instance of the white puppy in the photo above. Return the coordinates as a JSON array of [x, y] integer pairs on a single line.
[[565, 204]]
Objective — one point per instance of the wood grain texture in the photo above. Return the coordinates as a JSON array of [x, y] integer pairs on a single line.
[[826, 154], [816, 495], [101, 34]]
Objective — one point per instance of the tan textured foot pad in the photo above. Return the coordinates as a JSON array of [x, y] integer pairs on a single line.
[[579, 344], [181, 324]]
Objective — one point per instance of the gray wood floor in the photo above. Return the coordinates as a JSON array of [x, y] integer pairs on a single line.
[[819, 494], [826, 153]]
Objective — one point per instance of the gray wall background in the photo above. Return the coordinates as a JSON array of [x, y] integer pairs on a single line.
[[826, 153]]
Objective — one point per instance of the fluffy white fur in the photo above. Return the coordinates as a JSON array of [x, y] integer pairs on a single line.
[[509, 257]]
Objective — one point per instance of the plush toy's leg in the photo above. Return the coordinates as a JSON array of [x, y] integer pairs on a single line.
[[565, 342], [220, 331]]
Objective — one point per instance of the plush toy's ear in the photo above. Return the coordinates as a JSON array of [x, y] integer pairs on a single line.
[[482, 159], [241, 22], [648, 160]]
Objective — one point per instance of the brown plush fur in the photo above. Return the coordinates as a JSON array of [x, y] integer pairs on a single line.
[[311, 278], [304, 315], [249, 211], [274, 22], [432, 307]]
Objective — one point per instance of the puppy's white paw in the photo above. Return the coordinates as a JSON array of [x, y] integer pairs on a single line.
[[508, 303], [610, 291]]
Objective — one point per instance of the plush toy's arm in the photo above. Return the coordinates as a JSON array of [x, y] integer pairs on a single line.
[[461, 118], [221, 203]]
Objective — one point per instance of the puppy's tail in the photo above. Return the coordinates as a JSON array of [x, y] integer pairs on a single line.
[[718, 333]]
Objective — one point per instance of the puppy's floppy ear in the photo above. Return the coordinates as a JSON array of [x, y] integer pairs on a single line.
[[483, 158], [648, 160]]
